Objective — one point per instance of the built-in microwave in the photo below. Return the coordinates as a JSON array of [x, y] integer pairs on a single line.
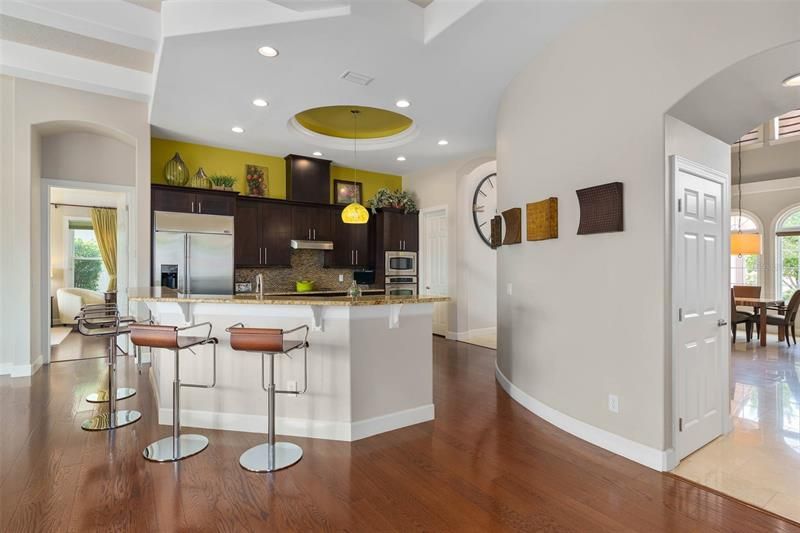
[[401, 263]]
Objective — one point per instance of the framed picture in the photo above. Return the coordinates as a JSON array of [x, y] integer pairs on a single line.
[[346, 192], [256, 177]]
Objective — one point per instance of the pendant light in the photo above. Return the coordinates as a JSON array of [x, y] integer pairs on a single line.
[[743, 243], [355, 213]]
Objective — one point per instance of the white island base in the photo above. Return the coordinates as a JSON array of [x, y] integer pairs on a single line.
[[370, 369]]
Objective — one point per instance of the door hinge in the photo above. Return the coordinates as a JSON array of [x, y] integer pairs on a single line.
[[680, 314], [679, 205], [680, 424]]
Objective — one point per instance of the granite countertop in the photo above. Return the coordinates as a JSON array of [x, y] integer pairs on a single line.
[[161, 294]]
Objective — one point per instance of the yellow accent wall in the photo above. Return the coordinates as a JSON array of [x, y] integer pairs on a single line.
[[232, 162]]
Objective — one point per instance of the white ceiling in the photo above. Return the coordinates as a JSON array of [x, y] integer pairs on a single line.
[[453, 75], [752, 88]]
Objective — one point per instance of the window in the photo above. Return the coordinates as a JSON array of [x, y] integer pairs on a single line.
[[745, 268], [787, 125], [788, 251], [85, 263]]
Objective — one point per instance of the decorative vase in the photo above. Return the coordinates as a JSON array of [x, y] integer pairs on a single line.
[[176, 172], [200, 179]]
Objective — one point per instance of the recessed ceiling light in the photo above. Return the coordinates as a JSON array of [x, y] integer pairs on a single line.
[[317, 154], [401, 158], [792, 81], [260, 102], [268, 51], [237, 129], [442, 142], [402, 103]]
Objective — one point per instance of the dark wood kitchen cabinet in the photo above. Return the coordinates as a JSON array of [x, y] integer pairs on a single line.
[[399, 231], [350, 244], [308, 179], [262, 234], [188, 200], [312, 223]]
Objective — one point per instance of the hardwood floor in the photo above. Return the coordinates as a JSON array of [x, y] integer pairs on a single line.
[[77, 346], [484, 464]]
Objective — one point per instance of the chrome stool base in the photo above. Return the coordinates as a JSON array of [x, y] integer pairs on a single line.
[[259, 458], [102, 396], [106, 421], [163, 451]]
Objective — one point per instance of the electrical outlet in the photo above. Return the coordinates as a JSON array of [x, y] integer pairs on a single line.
[[341, 278], [291, 386], [508, 289], [613, 403]]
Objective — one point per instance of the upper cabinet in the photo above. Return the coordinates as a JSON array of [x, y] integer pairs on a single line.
[[262, 231], [312, 223], [350, 244], [308, 179], [398, 231], [187, 200]]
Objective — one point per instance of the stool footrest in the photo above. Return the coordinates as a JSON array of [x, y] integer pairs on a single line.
[[102, 395]]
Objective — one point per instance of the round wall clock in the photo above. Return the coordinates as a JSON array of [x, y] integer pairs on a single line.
[[484, 207]]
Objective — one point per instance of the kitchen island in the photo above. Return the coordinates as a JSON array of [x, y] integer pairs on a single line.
[[370, 363]]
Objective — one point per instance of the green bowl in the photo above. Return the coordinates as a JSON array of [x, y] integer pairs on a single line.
[[304, 286]]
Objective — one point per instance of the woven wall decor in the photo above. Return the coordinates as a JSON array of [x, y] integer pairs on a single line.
[[543, 220], [513, 222], [496, 237], [601, 208]]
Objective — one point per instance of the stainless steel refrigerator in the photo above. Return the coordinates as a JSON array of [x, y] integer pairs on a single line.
[[193, 253]]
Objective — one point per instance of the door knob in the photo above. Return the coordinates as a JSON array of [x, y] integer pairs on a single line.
[[721, 322]]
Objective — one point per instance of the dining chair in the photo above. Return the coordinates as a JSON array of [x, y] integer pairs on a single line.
[[749, 291], [738, 317], [786, 320]]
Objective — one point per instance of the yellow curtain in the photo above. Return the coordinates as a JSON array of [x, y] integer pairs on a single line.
[[104, 222]]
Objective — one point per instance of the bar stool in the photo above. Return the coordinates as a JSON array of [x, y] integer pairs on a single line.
[[104, 320], [177, 446], [272, 455]]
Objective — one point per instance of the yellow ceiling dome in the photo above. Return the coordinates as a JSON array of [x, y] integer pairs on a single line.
[[337, 121]]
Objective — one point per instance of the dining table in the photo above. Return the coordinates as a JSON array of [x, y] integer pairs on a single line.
[[760, 306]]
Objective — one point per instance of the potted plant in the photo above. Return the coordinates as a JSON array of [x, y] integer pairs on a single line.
[[222, 183], [393, 200]]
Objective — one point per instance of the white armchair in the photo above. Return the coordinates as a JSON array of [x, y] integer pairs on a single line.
[[71, 300]]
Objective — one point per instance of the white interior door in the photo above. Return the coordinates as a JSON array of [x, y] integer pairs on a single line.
[[434, 264], [701, 301]]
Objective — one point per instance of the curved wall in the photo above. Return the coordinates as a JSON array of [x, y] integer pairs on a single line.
[[587, 315]]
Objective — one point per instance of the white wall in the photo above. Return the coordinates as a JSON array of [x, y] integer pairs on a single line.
[[31, 110], [588, 314], [472, 265], [88, 157]]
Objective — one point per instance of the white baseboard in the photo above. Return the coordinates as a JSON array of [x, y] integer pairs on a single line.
[[5, 368], [661, 460], [300, 427], [19, 371], [467, 335]]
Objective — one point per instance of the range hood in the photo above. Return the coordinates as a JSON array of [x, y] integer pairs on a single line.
[[299, 244]]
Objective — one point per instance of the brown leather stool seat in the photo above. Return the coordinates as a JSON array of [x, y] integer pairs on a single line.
[[272, 455], [150, 335]]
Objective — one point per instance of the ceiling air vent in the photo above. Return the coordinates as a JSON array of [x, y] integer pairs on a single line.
[[355, 77]]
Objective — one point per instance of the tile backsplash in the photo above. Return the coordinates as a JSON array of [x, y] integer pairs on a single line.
[[306, 265]]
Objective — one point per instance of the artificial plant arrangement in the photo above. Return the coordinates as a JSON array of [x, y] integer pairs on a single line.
[[394, 199], [222, 182]]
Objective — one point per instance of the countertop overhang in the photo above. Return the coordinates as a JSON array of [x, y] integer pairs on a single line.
[[161, 294]]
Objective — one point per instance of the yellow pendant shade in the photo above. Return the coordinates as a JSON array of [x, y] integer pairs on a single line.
[[745, 244], [355, 213]]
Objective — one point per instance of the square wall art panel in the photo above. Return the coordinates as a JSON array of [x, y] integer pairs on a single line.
[[543, 220], [601, 208]]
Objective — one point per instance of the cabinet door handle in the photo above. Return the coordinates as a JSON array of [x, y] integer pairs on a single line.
[[356, 256], [199, 207], [265, 255], [192, 206], [309, 234], [259, 255], [352, 257], [315, 234]]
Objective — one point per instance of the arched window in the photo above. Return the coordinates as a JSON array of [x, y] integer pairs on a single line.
[[787, 235], [745, 269]]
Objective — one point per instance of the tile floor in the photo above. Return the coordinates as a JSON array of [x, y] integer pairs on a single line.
[[759, 461]]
